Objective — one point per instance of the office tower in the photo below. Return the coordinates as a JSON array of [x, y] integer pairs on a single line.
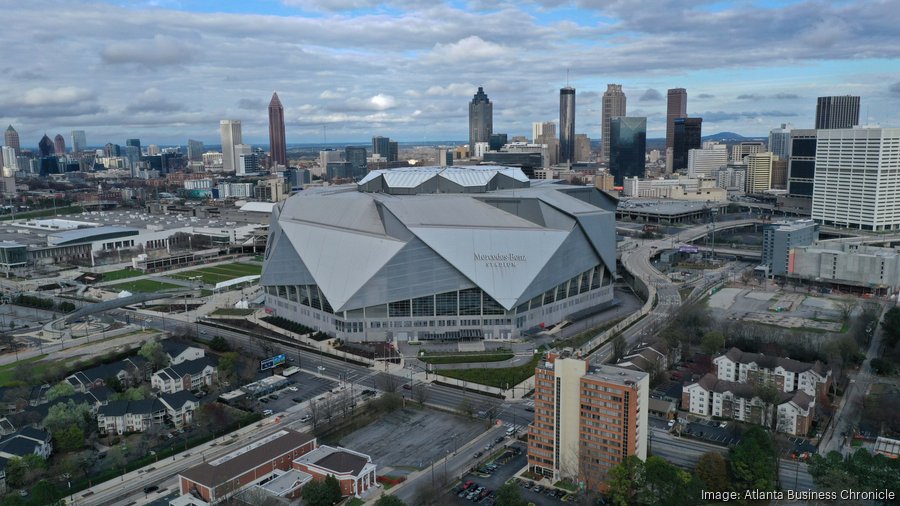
[[248, 164], [230, 132], [393, 151], [59, 145], [381, 146], [11, 139], [802, 163], [780, 238], [277, 145], [45, 146], [136, 143], [687, 136], [627, 147], [779, 173], [497, 141], [676, 107], [566, 125], [356, 156], [837, 112], [79, 141], [706, 162], [239, 151], [739, 151], [732, 178], [481, 119], [759, 172], [586, 421], [582, 148], [112, 150], [780, 141], [856, 178], [541, 132], [195, 150], [613, 105]]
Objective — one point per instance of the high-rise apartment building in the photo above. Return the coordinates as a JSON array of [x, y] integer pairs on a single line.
[[780, 238], [59, 145], [79, 141], [230, 132], [801, 168], [613, 106], [567, 125], [747, 148], [687, 136], [381, 146], [780, 141], [277, 145], [45, 146], [241, 168], [481, 119], [706, 162], [393, 151], [837, 112], [542, 131], [195, 150], [356, 156], [11, 139], [856, 178], [586, 420], [627, 142], [759, 172], [676, 107]]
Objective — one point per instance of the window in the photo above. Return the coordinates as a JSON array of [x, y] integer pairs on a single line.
[[398, 309], [423, 306], [491, 306], [445, 304], [470, 302]]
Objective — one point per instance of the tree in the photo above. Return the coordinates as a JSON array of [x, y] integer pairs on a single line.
[[712, 342], [70, 438], [891, 327], [61, 416], [133, 394], [61, 389], [333, 488], [882, 367], [663, 483], [321, 492], [218, 343], [420, 393], [509, 495], [768, 392], [24, 470], [154, 353], [619, 346], [228, 364], [624, 479], [753, 461], [712, 470], [389, 500], [44, 492], [465, 407]]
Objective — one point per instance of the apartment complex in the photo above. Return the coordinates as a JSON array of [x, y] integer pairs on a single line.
[[586, 420]]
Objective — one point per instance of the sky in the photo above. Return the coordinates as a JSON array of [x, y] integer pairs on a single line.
[[346, 70]]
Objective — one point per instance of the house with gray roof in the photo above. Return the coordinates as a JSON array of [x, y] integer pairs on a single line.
[[180, 407], [128, 371], [120, 417], [188, 375], [789, 374]]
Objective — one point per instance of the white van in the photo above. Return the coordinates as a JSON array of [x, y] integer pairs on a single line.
[[510, 431], [268, 412]]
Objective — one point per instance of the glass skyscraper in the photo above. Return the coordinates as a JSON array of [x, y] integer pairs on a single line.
[[481, 119], [566, 125], [687, 136], [627, 147]]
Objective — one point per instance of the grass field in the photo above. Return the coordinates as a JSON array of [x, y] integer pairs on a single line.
[[121, 274], [506, 377], [465, 358], [219, 273], [231, 311], [144, 286], [8, 371]]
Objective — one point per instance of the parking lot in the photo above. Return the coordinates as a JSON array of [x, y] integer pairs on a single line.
[[496, 468], [307, 386], [711, 431]]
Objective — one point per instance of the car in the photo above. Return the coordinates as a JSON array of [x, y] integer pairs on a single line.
[[406, 386], [537, 488], [264, 400], [368, 393], [477, 454], [723, 425], [488, 447], [306, 418], [499, 440], [293, 389], [150, 488], [268, 412], [471, 495], [529, 409], [468, 484], [671, 423], [510, 431], [462, 493], [274, 396], [297, 400]]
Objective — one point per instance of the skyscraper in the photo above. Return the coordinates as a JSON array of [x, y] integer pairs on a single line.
[[481, 119], [780, 141], [59, 145], [759, 172], [613, 106], [627, 147], [566, 124], [802, 163], [195, 150], [356, 156], [79, 141], [381, 146], [277, 146], [230, 131], [45, 146], [675, 108], [686, 134], [837, 112], [11, 139], [136, 143]]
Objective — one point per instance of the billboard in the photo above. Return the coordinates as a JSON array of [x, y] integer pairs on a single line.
[[270, 363]]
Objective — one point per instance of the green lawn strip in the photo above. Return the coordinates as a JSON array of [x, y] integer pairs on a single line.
[[43, 213], [356, 501], [8, 371], [566, 485], [505, 377], [121, 274], [144, 285], [466, 358], [230, 311]]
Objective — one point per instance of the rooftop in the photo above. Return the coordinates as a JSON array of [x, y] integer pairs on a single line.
[[336, 459], [617, 375]]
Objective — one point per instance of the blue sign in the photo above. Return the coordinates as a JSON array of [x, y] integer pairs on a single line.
[[270, 363]]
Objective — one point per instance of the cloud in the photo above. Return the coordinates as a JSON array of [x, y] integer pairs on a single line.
[[472, 49], [160, 51], [894, 88], [651, 95], [451, 90], [785, 96], [66, 95], [776, 96], [152, 100], [706, 95], [750, 96], [252, 104]]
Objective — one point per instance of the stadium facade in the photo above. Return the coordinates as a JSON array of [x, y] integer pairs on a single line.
[[475, 252]]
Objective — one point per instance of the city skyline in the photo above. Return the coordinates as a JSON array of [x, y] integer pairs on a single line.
[[172, 71]]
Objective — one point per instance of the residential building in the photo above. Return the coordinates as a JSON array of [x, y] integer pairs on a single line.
[[277, 145], [542, 131], [759, 172], [123, 417], [230, 133], [381, 146], [676, 107], [26, 441], [354, 471], [627, 147], [779, 173], [128, 371], [788, 374], [857, 266], [746, 148], [481, 119], [356, 157], [270, 190], [613, 105], [837, 112], [586, 420], [11, 139], [780, 239], [680, 188], [187, 375], [248, 163], [567, 125], [687, 136], [856, 178], [236, 190], [271, 457], [180, 407], [179, 352], [707, 161], [802, 163], [780, 141]]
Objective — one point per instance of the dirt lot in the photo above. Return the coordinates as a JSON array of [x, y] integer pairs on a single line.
[[412, 438]]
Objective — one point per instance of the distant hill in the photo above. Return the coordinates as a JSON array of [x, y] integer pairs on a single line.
[[729, 137]]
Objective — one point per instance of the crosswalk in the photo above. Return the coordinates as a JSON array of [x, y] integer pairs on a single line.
[[516, 427], [529, 403]]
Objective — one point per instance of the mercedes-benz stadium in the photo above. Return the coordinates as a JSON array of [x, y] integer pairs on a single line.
[[475, 252]]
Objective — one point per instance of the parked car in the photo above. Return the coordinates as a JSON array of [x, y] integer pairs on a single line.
[[150, 488], [305, 418], [268, 412], [477, 454]]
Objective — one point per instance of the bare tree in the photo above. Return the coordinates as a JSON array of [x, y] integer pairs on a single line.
[[420, 393], [314, 414]]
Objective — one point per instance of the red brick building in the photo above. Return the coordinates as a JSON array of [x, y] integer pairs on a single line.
[[355, 471]]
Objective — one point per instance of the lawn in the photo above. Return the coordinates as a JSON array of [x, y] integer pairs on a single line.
[[506, 377], [465, 358], [231, 311], [8, 371], [121, 274], [144, 286], [219, 273]]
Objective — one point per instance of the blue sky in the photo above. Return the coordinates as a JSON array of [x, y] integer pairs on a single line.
[[169, 70]]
